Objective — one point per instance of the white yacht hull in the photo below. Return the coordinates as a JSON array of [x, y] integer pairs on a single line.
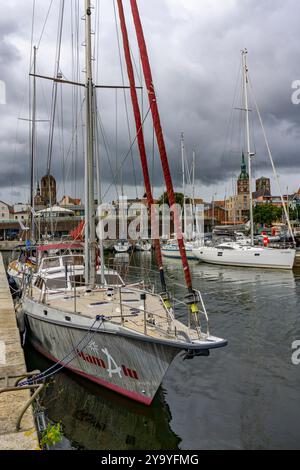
[[143, 248], [130, 364], [247, 257], [122, 248], [172, 252]]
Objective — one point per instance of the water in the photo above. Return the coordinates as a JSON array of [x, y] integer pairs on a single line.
[[245, 396]]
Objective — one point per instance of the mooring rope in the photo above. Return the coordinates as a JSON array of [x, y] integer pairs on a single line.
[[51, 371]]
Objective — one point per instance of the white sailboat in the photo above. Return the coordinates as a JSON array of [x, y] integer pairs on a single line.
[[235, 254], [143, 246], [121, 336], [170, 249], [123, 246]]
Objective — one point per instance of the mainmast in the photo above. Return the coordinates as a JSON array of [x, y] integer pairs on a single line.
[[140, 137], [33, 148], [90, 228], [160, 138], [183, 182], [249, 154]]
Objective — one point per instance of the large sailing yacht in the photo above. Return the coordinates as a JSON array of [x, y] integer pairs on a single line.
[[235, 254], [121, 336]]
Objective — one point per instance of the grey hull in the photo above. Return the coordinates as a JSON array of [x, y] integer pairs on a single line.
[[125, 365]]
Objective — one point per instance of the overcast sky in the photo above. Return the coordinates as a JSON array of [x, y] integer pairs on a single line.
[[194, 48]]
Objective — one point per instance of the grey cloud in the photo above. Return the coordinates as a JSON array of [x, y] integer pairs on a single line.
[[195, 57]]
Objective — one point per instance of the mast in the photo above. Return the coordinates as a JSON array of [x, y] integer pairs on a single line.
[[140, 136], [250, 155], [99, 195], [195, 231], [33, 147], [90, 228], [193, 176], [160, 138], [183, 181]]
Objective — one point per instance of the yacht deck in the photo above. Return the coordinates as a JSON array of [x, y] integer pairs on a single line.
[[124, 307]]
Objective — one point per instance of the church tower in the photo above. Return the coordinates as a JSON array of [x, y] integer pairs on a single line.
[[48, 190], [38, 200], [243, 184]]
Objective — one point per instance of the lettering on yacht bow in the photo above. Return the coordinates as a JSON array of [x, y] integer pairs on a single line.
[[111, 365]]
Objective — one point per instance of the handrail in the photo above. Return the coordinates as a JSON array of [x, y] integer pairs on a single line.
[[37, 387]]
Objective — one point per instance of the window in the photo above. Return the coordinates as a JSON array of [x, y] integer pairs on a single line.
[[73, 261], [77, 281], [50, 263], [39, 282], [56, 283], [111, 280]]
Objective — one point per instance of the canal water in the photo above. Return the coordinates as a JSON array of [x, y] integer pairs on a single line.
[[245, 396]]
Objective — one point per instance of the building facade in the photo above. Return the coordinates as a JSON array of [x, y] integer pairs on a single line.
[[6, 211], [48, 190], [263, 186]]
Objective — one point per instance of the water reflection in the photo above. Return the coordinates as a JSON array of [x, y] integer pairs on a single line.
[[95, 418], [245, 396]]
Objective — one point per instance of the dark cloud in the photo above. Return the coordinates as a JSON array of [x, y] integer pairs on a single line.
[[194, 49]]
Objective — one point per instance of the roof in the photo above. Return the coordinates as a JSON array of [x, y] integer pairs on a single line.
[[71, 201], [10, 208], [56, 209]]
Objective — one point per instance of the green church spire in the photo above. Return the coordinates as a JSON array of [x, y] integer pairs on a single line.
[[244, 175]]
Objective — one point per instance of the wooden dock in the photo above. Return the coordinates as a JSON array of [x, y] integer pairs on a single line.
[[8, 246], [12, 362]]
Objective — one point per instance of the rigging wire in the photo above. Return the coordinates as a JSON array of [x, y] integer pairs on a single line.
[[108, 154], [68, 169], [61, 139], [54, 87], [60, 365], [228, 146], [125, 98], [44, 25], [131, 146], [272, 163]]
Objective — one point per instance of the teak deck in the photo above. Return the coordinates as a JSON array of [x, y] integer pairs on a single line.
[[129, 313]]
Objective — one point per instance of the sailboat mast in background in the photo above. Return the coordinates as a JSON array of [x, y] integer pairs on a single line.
[[90, 227], [249, 154], [33, 148]]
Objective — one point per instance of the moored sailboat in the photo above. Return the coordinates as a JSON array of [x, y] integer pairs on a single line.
[[170, 249], [236, 254], [122, 336]]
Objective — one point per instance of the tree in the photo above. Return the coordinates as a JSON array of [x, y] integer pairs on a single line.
[[266, 214], [294, 214], [179, 199]]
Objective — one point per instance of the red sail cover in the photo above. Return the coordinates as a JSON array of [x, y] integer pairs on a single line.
[[78, 232], [159, 136], [139, 127]]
